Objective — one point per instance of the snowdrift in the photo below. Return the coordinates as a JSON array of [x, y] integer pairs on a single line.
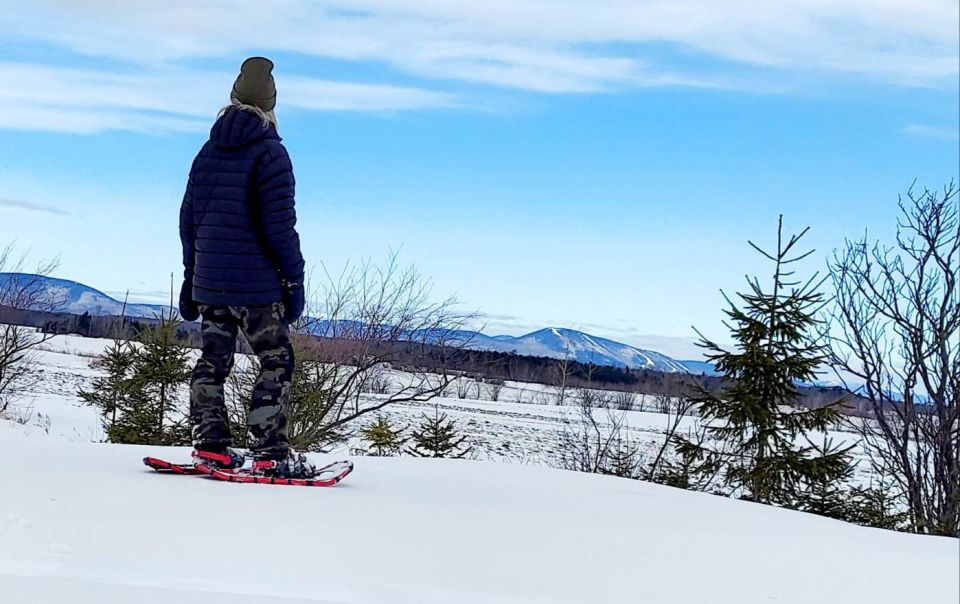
[[84, 523]]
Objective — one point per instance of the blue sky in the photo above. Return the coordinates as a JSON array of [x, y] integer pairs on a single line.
[[590, 165]]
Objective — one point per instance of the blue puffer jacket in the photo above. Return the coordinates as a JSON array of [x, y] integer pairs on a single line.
[[237, 221]]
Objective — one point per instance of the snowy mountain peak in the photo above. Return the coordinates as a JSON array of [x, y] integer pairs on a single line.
[[560, 343]]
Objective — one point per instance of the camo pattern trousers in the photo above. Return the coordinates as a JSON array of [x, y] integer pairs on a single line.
[[266, 331]]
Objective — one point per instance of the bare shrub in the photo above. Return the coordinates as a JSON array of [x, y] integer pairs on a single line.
[[521, 392], [896, 330], [561, 375], [494, 387], [22, 414], [588, 445], [464, 386], [44, 422], [624, 400], [22, 291], [590, 397], [378, 380], [540, 397], [663, 404], [666, 465], [358, 322]]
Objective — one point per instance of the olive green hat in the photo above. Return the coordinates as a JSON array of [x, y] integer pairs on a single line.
[[254, 85]]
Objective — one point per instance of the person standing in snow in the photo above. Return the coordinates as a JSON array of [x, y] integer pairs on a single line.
[[243, 273]]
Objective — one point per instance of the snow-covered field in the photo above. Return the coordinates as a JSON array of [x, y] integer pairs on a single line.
[[82, 522], [523, 426]]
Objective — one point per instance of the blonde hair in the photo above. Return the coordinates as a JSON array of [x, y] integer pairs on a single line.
[[269, 118]]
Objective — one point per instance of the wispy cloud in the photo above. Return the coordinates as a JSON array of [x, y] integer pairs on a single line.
[[539, 46], [33, 207], [681, 349], [499, 324], [932, 132], [534, 44], [159, 100], [323, 95]]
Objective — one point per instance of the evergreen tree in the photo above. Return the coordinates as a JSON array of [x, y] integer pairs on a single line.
[[759, 443], [878, 507], [84, 323], [828, 497], [622, 458], [112, 391], [384, 438], [438, 437], [153, 412]]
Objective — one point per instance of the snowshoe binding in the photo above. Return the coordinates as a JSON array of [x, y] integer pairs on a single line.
[[204, 462], [228, 459], [294, 465], [294, 469]]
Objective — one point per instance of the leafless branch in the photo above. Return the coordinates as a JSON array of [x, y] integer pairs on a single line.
[[24, 291], [896, 333]]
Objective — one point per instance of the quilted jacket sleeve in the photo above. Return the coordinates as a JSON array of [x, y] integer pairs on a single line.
[[187, 233], [278, 217]]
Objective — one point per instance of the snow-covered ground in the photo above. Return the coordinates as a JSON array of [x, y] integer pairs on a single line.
[[82, 522]]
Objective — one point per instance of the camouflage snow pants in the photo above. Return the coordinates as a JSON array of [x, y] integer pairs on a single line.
[[266, 331]]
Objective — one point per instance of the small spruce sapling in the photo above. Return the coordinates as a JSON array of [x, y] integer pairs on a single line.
[[111, 392], [153, 411], [384, 438], [438, 437]]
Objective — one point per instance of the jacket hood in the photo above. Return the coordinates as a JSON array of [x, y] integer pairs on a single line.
[[239, 128]]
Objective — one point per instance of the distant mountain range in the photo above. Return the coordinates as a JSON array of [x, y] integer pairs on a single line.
[[79, 298], [576, 345], [549, 342]]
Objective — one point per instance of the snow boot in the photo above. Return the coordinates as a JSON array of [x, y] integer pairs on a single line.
[[228, 459], [294, 465]]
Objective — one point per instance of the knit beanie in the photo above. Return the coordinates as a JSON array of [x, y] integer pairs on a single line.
[[254, 85]]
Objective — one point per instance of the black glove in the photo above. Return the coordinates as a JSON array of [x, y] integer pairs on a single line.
[[189, 310], [293, 301]]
